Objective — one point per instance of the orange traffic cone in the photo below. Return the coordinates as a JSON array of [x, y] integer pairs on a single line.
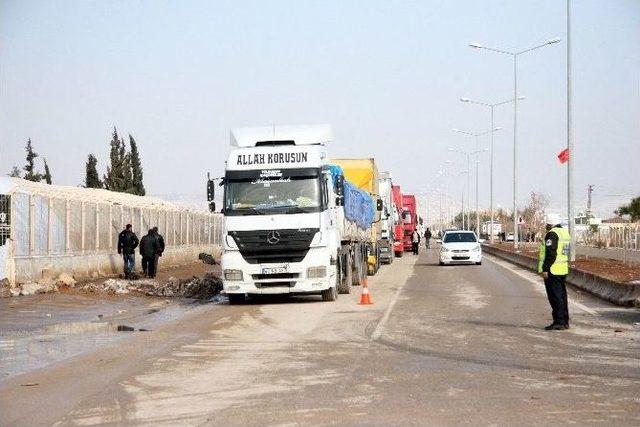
[[365, 297]]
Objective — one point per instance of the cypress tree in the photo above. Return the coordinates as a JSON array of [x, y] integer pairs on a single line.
[[136, 168], [91, 178], [114, 178], [15, 172], [29, 168], [47, 172], [128, 175]]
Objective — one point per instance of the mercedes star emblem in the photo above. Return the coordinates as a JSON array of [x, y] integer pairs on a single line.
[[273, 237]]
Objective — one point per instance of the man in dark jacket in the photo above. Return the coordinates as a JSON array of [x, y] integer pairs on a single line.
[[427, 237], [553, 265], [160, 245], [127, 243], [149, 247]]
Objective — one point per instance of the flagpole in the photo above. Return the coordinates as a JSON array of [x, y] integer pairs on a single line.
[[571, 154]]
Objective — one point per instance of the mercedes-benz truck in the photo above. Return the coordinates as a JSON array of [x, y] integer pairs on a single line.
[[293, 223]]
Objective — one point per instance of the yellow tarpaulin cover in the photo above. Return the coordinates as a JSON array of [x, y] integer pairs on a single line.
[[360, 172]]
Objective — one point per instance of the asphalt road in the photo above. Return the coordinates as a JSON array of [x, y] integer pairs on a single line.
[[458, 345]]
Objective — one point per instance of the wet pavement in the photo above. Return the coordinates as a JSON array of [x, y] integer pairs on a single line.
[[40, 330]]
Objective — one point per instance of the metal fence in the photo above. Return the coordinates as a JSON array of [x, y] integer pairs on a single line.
[[44, 225], [622, 237]]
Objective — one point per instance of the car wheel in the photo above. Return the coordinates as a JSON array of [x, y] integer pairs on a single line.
[[441, 263], [479, 263]]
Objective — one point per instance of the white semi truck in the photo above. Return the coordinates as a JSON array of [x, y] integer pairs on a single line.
[[293, 225], [388, 218]]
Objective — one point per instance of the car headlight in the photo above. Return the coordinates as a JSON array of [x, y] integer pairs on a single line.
[[476, 249], [444, 249], [233, 275], [316, 272]]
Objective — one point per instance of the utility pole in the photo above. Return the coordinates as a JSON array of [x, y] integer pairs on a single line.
[[589, 192]]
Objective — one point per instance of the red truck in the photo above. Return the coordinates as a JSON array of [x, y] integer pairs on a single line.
[[409, 218], [398, 227]]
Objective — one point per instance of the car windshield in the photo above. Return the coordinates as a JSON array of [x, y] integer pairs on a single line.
[[459, 238], [258, 195]]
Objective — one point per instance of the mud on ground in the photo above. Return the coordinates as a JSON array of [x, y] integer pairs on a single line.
[[604, 267]]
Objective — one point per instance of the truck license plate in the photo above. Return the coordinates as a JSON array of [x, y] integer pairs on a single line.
[[275, 270]]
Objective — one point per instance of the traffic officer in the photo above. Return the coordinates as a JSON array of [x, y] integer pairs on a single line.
[[553, 265]]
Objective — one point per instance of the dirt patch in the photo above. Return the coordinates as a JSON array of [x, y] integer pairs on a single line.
[[205, 287], [603, 267]]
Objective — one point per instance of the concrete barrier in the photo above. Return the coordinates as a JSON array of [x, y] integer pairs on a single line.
[[619, 293]]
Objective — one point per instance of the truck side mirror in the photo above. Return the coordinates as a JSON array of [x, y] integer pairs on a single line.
[[212, 206], [379, 205], [211, 190]]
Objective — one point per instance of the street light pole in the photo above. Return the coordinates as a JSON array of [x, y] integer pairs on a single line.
[[572, 247], [477, 211], [476, 152], [515, 119], [491, 106]]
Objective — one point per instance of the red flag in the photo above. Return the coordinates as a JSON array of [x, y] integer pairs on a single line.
[[564, 156]]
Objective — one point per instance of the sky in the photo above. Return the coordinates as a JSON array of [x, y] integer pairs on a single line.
[[388, 75]]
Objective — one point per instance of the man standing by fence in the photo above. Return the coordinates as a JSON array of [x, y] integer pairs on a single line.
[[160, 240], [127, 243], [149, 249]]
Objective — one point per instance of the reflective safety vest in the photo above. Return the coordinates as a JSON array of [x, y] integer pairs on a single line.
[[560, 266]]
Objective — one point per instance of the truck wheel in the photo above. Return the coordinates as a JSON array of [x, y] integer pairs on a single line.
[[235, 299], [355, 267], [330, 294], [399, 254], [344, 282]]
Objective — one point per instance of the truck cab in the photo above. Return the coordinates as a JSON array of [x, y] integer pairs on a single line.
[[285, 226]]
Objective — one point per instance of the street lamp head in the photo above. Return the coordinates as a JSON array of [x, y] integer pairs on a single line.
[[554, 40], [521, 97], [476, 45], [451, 149], [463, 99], [497, 128]]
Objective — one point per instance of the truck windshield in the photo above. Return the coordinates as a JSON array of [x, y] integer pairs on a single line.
[[291, 194]]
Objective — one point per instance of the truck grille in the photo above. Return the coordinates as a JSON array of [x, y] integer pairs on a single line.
[[274, 246]]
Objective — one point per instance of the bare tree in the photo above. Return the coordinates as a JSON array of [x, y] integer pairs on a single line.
[[533, 214]]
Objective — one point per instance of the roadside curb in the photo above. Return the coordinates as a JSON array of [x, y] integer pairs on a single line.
[[619, 293]]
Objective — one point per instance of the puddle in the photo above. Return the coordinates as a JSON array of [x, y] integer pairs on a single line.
[[86, 327], [41, 330]]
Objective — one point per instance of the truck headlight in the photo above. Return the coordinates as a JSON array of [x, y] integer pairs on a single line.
[[233, 275], [316, 272]]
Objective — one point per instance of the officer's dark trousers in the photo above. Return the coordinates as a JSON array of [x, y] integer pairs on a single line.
[[415, 246], [557, 294], [149, 265]]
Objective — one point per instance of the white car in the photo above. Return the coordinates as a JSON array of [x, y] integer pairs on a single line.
[[460, 247]]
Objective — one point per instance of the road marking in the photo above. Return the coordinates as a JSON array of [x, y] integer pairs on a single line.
[[518, 271], [385, 318]]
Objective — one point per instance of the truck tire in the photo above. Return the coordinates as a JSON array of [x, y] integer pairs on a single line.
[[355, 266], [399, 254], [344, 279], [330, 294], [235, 299]]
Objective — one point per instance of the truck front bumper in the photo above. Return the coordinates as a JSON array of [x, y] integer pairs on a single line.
[[294, 281]]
